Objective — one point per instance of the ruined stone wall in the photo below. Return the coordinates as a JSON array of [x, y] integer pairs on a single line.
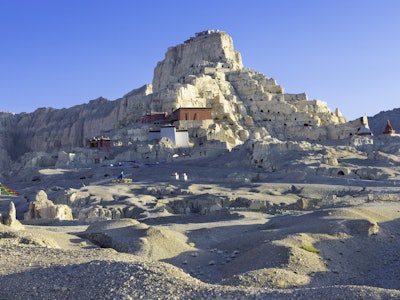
[[185, 58]]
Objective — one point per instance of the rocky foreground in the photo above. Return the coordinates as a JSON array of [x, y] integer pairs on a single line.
[[355, 260], [45, 273], [215, 236]]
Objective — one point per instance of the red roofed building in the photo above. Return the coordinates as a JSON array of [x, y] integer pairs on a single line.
[[192, 114], [101, 143], [154, 117]]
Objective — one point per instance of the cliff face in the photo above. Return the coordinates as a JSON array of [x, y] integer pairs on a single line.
[[48, 129], [6, 140]]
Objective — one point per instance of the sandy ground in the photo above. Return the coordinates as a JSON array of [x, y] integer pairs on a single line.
[[343, 246]]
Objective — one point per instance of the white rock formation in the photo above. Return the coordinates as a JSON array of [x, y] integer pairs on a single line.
[[208, 51], [204, 71], [9, 218], [43, 208]]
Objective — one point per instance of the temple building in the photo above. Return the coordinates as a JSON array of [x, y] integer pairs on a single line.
[[178, 137], [192, 114]]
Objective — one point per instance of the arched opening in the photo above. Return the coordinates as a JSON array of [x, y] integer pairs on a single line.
[[340, 173]]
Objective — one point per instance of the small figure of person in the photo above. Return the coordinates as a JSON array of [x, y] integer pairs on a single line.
[[120, 176]]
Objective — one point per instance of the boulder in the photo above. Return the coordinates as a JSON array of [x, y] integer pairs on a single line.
[[10, 218], [258, 205], [43, 208], [301, 204]]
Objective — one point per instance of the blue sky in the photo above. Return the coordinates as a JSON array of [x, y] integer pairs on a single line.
[[61, 53]]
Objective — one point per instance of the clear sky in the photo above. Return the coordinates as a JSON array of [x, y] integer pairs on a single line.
[[60, 53]]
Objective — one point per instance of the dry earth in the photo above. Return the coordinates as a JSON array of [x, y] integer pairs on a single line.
[[328, 239]]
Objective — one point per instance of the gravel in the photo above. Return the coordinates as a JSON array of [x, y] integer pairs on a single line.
[[37, 272]]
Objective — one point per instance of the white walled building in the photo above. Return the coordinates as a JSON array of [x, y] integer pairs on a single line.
[[178, 137]]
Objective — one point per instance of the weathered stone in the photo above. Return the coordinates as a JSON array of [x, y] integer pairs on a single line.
[[9, 218], [330, 160], [201, 204], [301, 204], [97, 213], [43, 208], [190, 57], [258, 205], [372, 173]]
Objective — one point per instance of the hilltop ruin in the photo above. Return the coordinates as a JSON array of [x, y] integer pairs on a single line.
[[231, 104]]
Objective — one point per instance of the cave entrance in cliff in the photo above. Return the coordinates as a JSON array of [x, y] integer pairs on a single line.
[[341, 173]]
